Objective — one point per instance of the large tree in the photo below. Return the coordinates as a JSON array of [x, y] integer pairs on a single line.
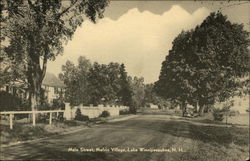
[[37, 29], [103, 86], [75, 79], [206, 64]]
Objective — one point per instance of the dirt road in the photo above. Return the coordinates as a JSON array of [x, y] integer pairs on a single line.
[[162, 137]]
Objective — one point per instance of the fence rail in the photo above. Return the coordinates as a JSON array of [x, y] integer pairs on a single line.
[[28, 112], [12, 113]]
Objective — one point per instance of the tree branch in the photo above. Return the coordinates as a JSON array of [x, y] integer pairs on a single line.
[[67, 9]]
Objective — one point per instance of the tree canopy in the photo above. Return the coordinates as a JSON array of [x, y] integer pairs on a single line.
[[205, 64], [96, 83]]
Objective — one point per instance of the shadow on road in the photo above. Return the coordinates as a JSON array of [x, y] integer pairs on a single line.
[[182, 128]]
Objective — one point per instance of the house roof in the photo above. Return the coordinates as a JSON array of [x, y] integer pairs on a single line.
[[51, 80]]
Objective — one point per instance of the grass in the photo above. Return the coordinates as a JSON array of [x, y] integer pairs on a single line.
[[23, 131]]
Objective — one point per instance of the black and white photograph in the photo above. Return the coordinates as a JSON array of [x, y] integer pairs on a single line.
[[125, 80]]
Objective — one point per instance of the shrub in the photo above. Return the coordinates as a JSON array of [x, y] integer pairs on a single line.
[[218, 114], [123, 112], [132, 110], [60, 117], [42, 117], [81, 117], [84, 118], [105, 114]]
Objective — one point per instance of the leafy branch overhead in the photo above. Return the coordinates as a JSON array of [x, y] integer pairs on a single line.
[[35, 31]]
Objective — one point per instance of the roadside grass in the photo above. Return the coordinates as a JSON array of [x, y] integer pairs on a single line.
[[26, 131], [213, 143], [208, 152]]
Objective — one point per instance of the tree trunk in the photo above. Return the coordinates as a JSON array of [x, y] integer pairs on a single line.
[[201, 110], [35, 97], [184, 108], [35, 77], [196, 107], [36, 71]]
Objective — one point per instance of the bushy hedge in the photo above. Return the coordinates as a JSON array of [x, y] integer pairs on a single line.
[[105, 114], [80, 117]]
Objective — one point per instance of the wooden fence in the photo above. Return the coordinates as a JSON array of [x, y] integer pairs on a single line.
[[12, 113]]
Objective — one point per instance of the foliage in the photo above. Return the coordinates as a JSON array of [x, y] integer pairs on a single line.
[[75, 79], [10, 102], [205, 64], [80, 117], [224, 112], [104, 83], [104, 114], [152, 97], [108, 84], [58, 104], [10, 71], [125, 93], [95, 83], [138, 92], [36, 31], [218, 114], [132, 110]]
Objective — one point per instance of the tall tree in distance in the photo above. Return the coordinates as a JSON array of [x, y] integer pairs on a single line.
[[37, 29], [125, 93], [138, 89], [75, 79]]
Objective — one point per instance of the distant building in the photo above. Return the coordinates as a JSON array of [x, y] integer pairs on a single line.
[[54, 88], [151, 105]]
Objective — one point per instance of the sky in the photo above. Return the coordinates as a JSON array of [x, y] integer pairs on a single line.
[[140, 33]]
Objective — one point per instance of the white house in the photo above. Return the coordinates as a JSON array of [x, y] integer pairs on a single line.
[[54, 88]]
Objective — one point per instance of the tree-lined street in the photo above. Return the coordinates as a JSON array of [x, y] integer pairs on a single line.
[[135, 84]]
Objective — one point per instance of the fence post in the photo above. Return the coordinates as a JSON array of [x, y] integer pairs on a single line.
[[34, 118], [11, 121], [50, 118]]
